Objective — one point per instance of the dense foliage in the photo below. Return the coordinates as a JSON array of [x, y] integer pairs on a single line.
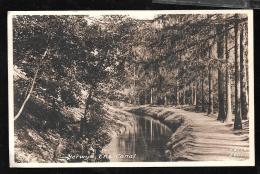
[[84, 62]]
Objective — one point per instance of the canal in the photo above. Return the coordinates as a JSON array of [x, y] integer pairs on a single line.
[[145, 140]]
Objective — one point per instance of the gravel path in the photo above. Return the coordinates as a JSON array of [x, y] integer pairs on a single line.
[[200, 137]]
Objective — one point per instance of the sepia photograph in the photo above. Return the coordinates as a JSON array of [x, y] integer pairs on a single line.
[[131, 88]]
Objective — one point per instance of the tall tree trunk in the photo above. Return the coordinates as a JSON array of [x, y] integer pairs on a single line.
[[237, 122], [32, 86], [177, 94], [210, 106], [84, 119], [26, 92], [82, 128], [151, 97], [247, 82], [220, 51], [184, 93], [145, 98], [190, 94], [202, 95], [134, 88], [243, 88], [228, 85], [88, 101], [210, 84], [183, 97], [195, 94]]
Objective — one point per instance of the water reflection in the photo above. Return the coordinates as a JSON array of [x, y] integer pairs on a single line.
[[144, 141]]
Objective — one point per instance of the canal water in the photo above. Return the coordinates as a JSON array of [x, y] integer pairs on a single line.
[[145, 140]]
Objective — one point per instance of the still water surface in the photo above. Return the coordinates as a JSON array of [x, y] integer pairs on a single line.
[[145, 140]]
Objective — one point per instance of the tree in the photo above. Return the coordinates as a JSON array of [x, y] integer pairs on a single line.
[[243, 80], [196, 94], [220, 48], [228, 85], [101, 63], [202, 95], [210, 85], [237, 122], [31, 88], [39, 43]]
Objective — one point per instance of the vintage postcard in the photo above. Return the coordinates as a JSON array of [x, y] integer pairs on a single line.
[[131, 88]]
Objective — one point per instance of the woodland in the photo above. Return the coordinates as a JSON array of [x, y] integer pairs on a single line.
[[73, 75]]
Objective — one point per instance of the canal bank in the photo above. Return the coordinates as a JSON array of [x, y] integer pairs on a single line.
[[197, 136]]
